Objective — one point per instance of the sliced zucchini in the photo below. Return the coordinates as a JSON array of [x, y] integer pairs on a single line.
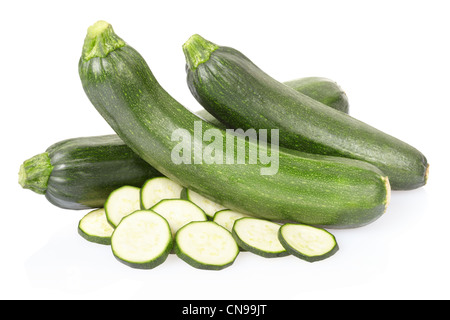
[[307, 242], [227, 217], [142, 240], [210, 207], [121, 202], [206, 245], [258, 236], [179, 212], [157, 189], [94, 227]]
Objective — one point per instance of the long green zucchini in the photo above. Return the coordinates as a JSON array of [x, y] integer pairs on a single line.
[[86, 167], [321, 89], [312, 189], [80, 173], [241, 95]]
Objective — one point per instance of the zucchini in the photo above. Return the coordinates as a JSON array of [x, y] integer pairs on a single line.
[[80, 173], [206, 245], [323, 90], [259, 237], [142, 240], [179, 212], [307, 242], [159, 188], [94, 227], [210, 207], [307, 188], [122, 202], [241, 95]]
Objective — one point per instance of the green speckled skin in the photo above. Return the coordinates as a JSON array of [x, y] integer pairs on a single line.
[[312, 189], [241, 95], [87, 169], [323, 90]]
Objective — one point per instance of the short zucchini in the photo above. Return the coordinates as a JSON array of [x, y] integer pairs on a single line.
[[307, 242], [142, 240], [80, 173]]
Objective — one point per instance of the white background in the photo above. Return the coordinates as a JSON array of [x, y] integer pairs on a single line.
[[392, 59]]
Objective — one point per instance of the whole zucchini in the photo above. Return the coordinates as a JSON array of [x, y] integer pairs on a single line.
[[323, 90], [57, 172], [241, 95], [312, 189], [80, 173]]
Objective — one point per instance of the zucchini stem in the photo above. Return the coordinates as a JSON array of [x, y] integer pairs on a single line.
[[35, 172], [198, 50], [100, 41]]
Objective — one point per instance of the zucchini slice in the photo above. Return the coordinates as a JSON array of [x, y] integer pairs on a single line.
[[210, 207], [227, 217], [258, 236], [206, 245], [156, 189], [179, 212], [142, 240], [307, 242], [121, 202], [94, 227]]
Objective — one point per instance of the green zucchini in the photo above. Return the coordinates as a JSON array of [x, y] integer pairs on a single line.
[[307, 188], [323, 90], [206, 245], [142, 240], [306, 242], [258, 236], [94, 227], [241, 95], [80, 173]]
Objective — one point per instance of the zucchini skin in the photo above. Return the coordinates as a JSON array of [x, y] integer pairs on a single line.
[[312, 189], [323, 90], [240, 95], [87, 169]]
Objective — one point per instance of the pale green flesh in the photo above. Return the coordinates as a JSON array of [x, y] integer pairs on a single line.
[[141, 237], [207, 243], [179, 212], [259, 234], [95, 226], [308, 240], [122, 202], [157, 189], [210, 207], [227, 217]]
